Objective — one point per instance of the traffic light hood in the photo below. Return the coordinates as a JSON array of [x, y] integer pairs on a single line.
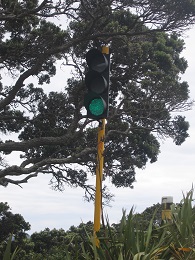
[[96, 60]]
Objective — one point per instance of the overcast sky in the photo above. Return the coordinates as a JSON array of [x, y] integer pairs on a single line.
[[172, 174]]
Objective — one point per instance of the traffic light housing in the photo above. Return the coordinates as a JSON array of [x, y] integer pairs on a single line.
[[97, 82]]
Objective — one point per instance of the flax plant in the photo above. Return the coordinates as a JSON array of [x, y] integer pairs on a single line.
[[172, 240]]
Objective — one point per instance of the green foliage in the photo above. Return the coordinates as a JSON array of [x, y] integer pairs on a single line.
[[7, 254], [145, 217], [183, 227], [130, 240], [11, 223], [12, 227]]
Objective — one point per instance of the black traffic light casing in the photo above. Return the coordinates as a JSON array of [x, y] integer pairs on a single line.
[[97, 82]]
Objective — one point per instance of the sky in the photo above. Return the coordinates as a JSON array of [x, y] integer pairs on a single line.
[[172, 175]]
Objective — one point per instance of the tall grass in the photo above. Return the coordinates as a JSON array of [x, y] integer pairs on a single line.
[[171, 240]]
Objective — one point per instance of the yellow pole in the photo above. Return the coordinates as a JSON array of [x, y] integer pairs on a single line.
[[99, 175], [99, 170]]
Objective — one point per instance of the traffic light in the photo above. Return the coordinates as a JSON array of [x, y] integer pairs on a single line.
[[97, 82]]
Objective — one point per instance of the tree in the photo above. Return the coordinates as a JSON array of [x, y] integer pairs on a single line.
[[47, 240], [54, 244], [50, 130], [154, 212], [11, 224]]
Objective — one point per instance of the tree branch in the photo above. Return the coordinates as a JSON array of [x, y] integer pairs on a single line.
[[17, 182], [18, 170], [19, 83]]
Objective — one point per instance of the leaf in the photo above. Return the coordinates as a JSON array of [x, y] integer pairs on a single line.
[[7, 254]]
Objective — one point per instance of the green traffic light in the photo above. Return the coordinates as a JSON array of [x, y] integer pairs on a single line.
[[96, 100], [97, 107]]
